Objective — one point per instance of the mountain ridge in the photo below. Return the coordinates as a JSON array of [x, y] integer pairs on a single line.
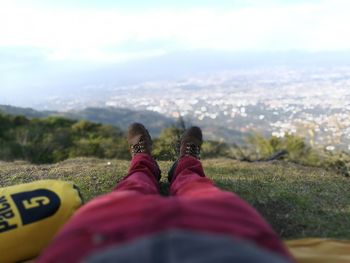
[[123, 117], [120, 117]]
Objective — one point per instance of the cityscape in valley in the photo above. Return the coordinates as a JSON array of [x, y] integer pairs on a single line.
[[312, 102]]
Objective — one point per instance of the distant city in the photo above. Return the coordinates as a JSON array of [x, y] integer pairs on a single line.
[[306, 101]]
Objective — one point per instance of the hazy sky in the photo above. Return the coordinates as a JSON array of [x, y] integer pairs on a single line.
[[48, 45], [112, 31]]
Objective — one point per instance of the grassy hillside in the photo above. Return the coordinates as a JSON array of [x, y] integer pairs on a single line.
[[298, 201]]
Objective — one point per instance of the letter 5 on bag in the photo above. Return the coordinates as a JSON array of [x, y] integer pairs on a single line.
[[31, 214]]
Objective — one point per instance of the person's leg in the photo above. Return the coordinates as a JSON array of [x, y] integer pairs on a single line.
[[209, 209], [144, 172], [206, 208], [115, 217]]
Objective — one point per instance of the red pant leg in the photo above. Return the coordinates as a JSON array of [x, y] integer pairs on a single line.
[[107, 219], [219, 211], [142, 176]]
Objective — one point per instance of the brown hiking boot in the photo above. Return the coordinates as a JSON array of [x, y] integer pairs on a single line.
[[139, 139], [191, 142], [190, 145]]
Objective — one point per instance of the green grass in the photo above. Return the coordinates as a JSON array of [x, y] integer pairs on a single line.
[[297, 201]]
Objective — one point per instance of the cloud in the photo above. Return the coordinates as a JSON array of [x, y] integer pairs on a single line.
[[103, 34]]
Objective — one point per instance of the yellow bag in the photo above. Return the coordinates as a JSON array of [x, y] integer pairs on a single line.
[[31, 214], [317, 250]]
